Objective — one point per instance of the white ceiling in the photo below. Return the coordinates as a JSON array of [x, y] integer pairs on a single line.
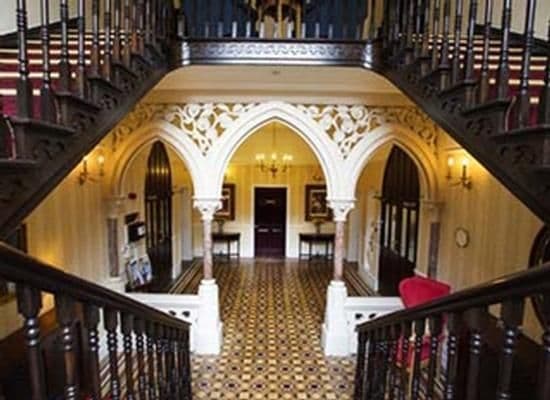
[[292, 83]]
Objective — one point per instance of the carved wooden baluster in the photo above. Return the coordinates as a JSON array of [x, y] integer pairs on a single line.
[[139, 330], [161, 372], [24, 85], [435, 326], [29, 303], [543, 383], [186, 364], [94, 65], [477, 319], [127, 48], [469, 63], [435, 38], [64, 66], [524, 103], [404, 381], [369, 365], [360, 366], [147, 20], [512, 317], [444, 59], [385, 361], [543, 116], [47, 102], [107, 54], [168, 361], [91, 321], [484, 75], [151, 362], [180, 363], [127, 328], [175, 371], [81, 62], [394, 368], [451, 370], [376, 375], [504, 64], [417, 28], [455, 65], [117, 40], [419, 330], [137, 32], [65, 310], [425, 52], [397, 29], [110, 320], [410, 26]]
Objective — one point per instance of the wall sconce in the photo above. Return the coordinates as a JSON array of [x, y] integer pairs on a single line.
[[464, 180], [85, 174]]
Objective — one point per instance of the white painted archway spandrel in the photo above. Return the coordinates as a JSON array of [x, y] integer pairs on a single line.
[[343, 138]]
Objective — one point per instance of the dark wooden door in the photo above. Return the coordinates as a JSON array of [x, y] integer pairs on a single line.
[[399, 217], [269, 222], [158, 213]]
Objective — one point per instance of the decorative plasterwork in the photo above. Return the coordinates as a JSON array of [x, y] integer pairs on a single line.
[[207, 208], [348, 124], [341, 208], [204, 123]]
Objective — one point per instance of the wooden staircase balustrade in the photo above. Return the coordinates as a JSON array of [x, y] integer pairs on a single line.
[[463, 318], [167, 342]]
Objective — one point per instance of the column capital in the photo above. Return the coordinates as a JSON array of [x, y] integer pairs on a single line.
[[207, 207], [114, 205], [341, 208]]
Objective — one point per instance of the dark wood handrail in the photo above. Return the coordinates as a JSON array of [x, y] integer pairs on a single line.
[[517, 285], [18, 267]]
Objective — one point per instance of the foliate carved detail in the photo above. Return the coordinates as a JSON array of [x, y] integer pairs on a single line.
[[341, 208], [203, 123], [46, 149], [10, 187], [519, 154], [284, 53], [207, 207], [347, 125]]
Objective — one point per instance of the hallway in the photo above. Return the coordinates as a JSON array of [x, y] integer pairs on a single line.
[[272, 312]]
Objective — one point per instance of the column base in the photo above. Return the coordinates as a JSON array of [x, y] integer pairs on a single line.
[[209, 332], [335, 332]]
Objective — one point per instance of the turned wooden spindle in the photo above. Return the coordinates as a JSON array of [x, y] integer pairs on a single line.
[[175, 372], [444, 58], [370, 353], [117, 40], [435, 325], [151, 362], [91, 321], [477, 320], [107, 52], [484, 74], [435, 37], [424, 51], [110, 320], [409, 49], [455, 64], [417, 29], [94, 62], [524, 100], [360, 365], [385, 361], [81, 81], [406, 329], [451, 370], [127, 329], [29, 303], [512, 316], [543, 116], [65, 312], [24, 85], [186, 364], [419, 330], [64, 65], [127, 26], [161, 370], [470, 55], [503, 74], [139, 330], [47, 100], [393, 378]]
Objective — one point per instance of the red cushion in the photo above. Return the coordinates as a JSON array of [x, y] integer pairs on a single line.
[[418, 290]]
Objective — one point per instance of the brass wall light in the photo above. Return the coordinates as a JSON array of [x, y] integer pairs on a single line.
[[85, 175], [464, 180]]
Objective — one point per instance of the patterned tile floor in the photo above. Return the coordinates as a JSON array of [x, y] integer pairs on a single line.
[[272, 312]]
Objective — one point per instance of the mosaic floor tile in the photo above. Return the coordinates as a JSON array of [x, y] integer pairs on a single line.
[[272, 312]]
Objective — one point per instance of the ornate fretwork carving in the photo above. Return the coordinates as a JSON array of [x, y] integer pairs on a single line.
[[204, 123], [348, 124]]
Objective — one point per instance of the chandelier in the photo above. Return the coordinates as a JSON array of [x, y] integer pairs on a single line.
[[275, 163]]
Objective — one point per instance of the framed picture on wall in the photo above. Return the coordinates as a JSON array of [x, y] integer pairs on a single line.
[[227, 211], [316, 203]]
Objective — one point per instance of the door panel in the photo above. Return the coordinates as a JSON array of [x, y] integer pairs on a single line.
[[158, 213], [398, 241], [269, 222]]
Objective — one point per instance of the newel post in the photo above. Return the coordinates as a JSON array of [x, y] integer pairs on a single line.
[[209, 325], [335, 336]]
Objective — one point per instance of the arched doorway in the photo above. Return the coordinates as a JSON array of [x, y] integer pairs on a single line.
[[399, 221], [158, 212]]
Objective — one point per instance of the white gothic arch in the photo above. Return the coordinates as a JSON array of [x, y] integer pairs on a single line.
[[323, 147]]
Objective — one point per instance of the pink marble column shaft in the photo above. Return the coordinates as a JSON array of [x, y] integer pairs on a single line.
[[339, 251], [207, 249]]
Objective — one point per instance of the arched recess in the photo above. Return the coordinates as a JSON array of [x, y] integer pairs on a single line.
[[322, 146], [168, 134]]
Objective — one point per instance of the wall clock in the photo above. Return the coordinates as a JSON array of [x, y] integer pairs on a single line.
[[462, 237]]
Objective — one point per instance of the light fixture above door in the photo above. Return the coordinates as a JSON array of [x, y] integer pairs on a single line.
[[275, 163]]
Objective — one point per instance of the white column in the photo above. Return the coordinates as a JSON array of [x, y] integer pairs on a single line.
[[335, 332], [116, 279], [209, 325]]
